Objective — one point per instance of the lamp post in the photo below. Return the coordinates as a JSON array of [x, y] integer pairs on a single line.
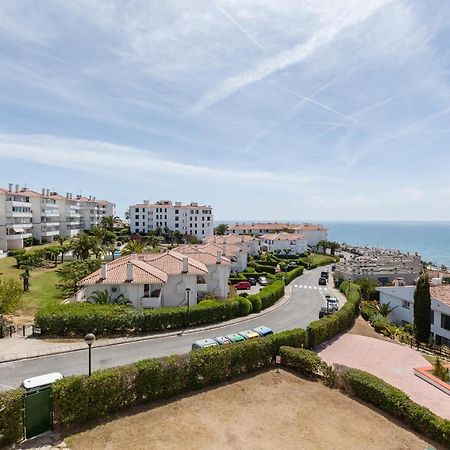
[[188, 293], [89, 339]]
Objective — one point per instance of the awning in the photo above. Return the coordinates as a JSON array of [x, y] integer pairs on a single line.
[[18, 230]]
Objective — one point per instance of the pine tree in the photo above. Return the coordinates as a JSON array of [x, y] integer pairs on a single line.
[[422, 309]]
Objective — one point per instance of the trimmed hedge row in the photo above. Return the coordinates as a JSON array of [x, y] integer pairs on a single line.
[[11, 423], [323, 329], [303, 361], [267, 296], [81, 318], [290, 276], [79, 399], [264, 268], [395, 402]]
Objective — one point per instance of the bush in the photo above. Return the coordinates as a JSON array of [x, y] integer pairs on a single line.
[[245, 306], [290, 276], [271, 293], [303, 361], [16, 252], [264, 268], [393, 401], [11, 423], [75, 271], [80, 399], [323, 329], [77, 319], [256, 302]]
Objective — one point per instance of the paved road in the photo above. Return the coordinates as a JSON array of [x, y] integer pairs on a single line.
[[303, 308]]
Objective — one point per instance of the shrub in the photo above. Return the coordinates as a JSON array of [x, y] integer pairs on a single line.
[[79, 399], [75, 271], [16, 252], [271, 293], [323, 329], [393, 401], [245, 306], [290, 276], [264, 268], [256, 302], [76, 319], [11, 424]]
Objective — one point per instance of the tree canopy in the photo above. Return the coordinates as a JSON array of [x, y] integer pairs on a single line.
[[422, 309]]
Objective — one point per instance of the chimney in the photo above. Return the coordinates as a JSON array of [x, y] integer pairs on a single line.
[[10, 187], [48, 192], [104, 271], [185, 265], [93, 198], [90, 197], [43, 191], [17, 188], [67, 195], [219, 257], [129, 271]]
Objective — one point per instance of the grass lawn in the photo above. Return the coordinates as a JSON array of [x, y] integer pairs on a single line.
[[43, 290], [315, 258]]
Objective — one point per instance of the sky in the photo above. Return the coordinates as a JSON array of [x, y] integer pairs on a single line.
[[263, 109]]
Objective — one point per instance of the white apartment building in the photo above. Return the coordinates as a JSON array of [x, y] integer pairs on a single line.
[[291, 242], [25, 213], [313, 233], [402, 299], [93, 211], [193, 219]]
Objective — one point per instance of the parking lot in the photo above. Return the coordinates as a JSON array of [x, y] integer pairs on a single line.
[[252, 290]]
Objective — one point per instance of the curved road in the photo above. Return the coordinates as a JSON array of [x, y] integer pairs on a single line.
[[301, 309]]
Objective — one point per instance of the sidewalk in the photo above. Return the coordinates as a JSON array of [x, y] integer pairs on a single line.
[[19, 348]]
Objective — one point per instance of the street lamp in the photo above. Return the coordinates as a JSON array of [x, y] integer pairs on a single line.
[[188, 293], [89, 339]]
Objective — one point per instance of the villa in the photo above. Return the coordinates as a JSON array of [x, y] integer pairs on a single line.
[[160, 280], [248, 244], [284, 242]]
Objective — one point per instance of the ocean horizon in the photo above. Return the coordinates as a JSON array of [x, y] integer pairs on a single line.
[[430, 239]]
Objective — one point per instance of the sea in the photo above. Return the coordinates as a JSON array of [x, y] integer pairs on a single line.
[[431, 240]]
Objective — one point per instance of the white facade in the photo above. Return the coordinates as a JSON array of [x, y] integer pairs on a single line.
[[160, 280], [42, 215], [402, 299], [292, 242], [248, 244], [92, 211], [193, 219], [313, 233]]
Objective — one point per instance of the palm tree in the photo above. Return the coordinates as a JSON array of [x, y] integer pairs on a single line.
[[61, 240], [385, 309], [127, 215], [110, 222], [134, 246], [82, 245], [101, 297], [324, 245], [333, 246], [154, 241]]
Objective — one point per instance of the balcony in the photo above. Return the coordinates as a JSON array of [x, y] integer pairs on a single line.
[[16, 232], [19, 203], [50, 233], [10, 213], [51, 212]]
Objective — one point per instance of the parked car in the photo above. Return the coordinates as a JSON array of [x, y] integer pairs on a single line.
[[222, 340], [263, 281], [235, 337], [249, 334], [252, 281], [324, 274], [243, 285], [333, 267], [322, 281], [263, 331], [204, 343]]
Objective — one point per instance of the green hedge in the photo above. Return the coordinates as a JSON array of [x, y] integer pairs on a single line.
[[11, 423], [395, 402], [290, 276], [256, 302], [303, 361], [323, 329], [264, 268], [80, 399], [77, 319]]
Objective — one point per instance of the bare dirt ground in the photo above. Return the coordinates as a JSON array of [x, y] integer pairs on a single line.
[[268, 411], [363, 328]]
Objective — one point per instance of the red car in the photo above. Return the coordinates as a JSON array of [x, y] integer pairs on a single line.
[[243, 285]]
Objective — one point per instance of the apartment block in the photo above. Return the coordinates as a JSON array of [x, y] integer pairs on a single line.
[[45, 215], [192, 219]]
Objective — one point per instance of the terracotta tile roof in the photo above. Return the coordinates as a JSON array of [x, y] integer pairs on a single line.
[[227, 249], [283, 236], [147, 269], [277, 226], [229, 239], [201, 255], [441, 293]]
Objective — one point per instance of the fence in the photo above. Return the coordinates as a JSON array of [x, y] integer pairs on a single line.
[[439, 350]]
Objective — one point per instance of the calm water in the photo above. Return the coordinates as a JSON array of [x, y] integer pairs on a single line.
[[430, 239]]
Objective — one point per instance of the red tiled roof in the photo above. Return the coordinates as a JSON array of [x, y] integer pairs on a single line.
[[283, 236], [441, 293]]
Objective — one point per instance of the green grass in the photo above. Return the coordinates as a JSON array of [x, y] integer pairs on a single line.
[[314, 258], [43, 290]]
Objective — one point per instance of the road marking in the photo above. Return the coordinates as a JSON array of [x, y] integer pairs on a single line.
[[296, 285], [315, 287]]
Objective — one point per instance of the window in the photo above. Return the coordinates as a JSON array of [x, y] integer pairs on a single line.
[[177, 211], [136, 209], [165, 217], [406, 304], [176, 225], [136, 224], [146, 290], [177, 219], [445, 321], [432, 317], [136, 216]]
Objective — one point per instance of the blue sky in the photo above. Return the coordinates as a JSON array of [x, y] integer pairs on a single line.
[[265, 109]]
